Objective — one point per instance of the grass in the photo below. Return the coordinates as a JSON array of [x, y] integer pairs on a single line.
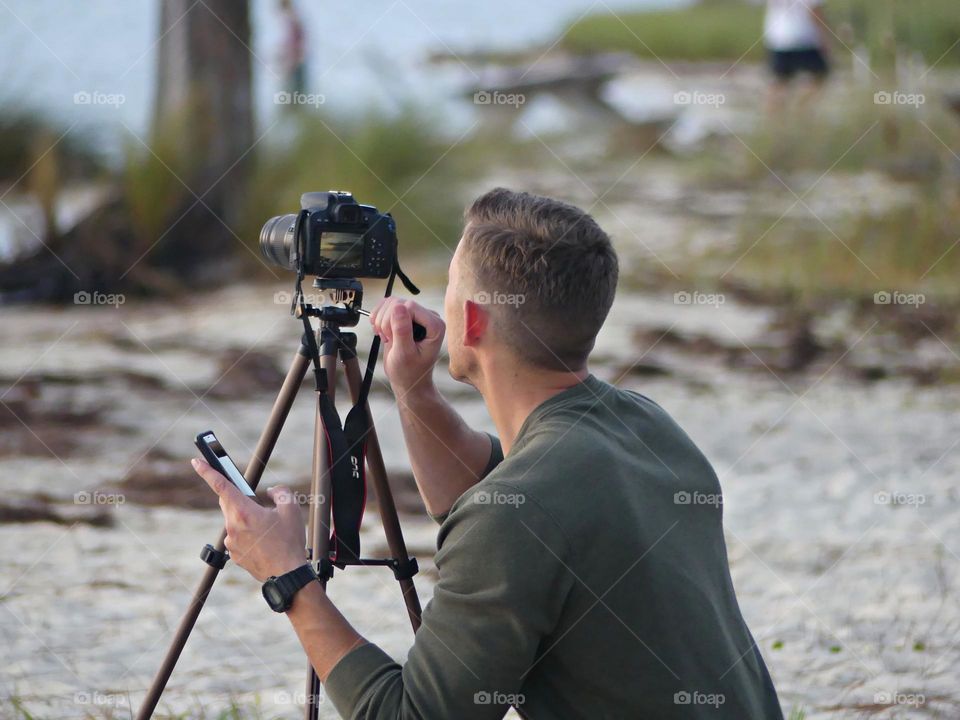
[[930, 27], [908, 246], [912, 249], [712, 31], [853, 134], [730, 29], [235, 710], [27, 136]]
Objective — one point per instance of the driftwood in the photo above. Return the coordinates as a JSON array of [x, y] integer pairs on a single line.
[[100, 253]]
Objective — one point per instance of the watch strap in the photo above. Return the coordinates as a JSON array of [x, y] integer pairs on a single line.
[[289, 583]]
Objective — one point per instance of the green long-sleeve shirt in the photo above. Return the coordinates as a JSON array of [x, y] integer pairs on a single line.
[[585, 576]]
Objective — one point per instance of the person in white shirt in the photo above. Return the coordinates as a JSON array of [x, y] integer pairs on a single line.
[[796, 37]]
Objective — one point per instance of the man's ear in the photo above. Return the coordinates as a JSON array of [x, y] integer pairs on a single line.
[[475, 322]]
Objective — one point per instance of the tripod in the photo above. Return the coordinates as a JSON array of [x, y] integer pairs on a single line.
[[328, 346]]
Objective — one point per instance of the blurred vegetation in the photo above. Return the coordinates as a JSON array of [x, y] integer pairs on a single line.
[[710, 31], [122, 710], [152, 183], [905, 239], [28, 135], [401, 164], [928, 27], [732, 29], [854, 134], [910, 248]]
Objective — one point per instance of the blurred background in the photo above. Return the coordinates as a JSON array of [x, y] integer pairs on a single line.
[[789, 292]]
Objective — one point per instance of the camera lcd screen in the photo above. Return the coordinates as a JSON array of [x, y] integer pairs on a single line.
[[343, 250]]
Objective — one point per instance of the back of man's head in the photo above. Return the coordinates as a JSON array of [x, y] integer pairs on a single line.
[[546, 271]]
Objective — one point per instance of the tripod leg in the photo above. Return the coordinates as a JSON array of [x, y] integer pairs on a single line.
[[318, 525], [268, 439], [388, 510]]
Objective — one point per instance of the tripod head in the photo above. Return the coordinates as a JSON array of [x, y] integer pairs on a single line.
[[340, 306], [340, 300]]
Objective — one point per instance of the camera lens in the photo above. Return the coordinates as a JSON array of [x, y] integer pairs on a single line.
[[276, 240]]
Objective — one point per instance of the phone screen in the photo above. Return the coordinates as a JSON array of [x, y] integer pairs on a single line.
[[227, 466]]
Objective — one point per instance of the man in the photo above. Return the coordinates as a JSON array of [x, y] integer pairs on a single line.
[[581, 558], [797, 40], [292, 53]]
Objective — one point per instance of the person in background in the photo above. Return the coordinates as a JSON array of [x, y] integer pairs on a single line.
[[796, 36], [293, 49]]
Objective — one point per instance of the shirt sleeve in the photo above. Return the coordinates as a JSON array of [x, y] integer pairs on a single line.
[[496, 457], [502, 587]]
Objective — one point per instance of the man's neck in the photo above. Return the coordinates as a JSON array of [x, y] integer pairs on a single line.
[[512, 392]]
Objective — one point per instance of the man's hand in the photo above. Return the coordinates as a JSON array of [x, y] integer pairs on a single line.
[[408, 364], [262, 541]]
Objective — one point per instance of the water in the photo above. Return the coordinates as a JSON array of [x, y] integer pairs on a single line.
[[357, 57]]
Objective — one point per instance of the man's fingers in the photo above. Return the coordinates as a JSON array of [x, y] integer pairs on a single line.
[[401, 326], [387, 325], [217, 482], [431, 322], [377, 316]]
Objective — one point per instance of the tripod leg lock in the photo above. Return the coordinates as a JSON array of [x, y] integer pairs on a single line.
[[213, 557], [324, 568], [405, 570]]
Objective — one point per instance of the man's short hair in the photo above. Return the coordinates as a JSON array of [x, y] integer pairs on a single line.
[[546, 271]]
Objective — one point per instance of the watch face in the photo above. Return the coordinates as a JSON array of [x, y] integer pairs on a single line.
[[273, 596]]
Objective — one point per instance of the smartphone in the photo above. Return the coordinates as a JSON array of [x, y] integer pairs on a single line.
[[213, 453]]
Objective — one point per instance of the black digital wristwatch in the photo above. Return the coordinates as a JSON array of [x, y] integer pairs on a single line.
[[279, 591]]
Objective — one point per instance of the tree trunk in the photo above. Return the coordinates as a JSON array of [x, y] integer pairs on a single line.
[[203, 119]]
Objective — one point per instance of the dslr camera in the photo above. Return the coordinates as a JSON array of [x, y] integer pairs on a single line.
[[332, 236]]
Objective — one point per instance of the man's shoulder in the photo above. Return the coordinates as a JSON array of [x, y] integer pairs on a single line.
[[583, 430]]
